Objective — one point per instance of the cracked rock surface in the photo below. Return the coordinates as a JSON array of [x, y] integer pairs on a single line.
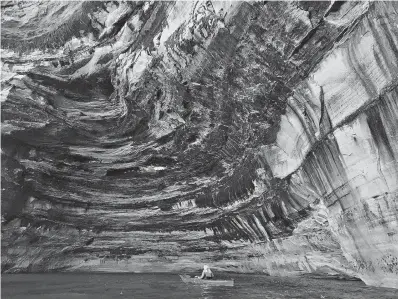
[[158, 136]]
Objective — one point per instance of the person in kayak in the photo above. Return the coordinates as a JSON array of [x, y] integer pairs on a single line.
[[206, 274]]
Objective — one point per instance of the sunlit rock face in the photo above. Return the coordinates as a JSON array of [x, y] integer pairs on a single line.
[[158, 136]]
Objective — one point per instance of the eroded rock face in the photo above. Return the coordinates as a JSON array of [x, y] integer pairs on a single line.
[[158, 136]]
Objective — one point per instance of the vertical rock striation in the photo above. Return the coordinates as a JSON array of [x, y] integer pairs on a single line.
[[255, 136]]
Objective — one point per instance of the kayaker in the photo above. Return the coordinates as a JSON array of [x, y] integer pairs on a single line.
[[206, 274]]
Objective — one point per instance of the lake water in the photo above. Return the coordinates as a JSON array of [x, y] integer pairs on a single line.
[[84, 285]]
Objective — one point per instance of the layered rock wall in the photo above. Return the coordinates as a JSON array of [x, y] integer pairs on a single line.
[[158, 136]]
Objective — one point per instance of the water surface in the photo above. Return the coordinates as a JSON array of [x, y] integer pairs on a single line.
[[105, 285]]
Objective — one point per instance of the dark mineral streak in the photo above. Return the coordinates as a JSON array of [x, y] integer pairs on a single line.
[[254, 136]]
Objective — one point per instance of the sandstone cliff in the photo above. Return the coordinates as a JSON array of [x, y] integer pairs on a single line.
[[157, 136]]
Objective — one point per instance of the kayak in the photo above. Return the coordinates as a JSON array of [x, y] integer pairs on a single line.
[[213, 282]]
